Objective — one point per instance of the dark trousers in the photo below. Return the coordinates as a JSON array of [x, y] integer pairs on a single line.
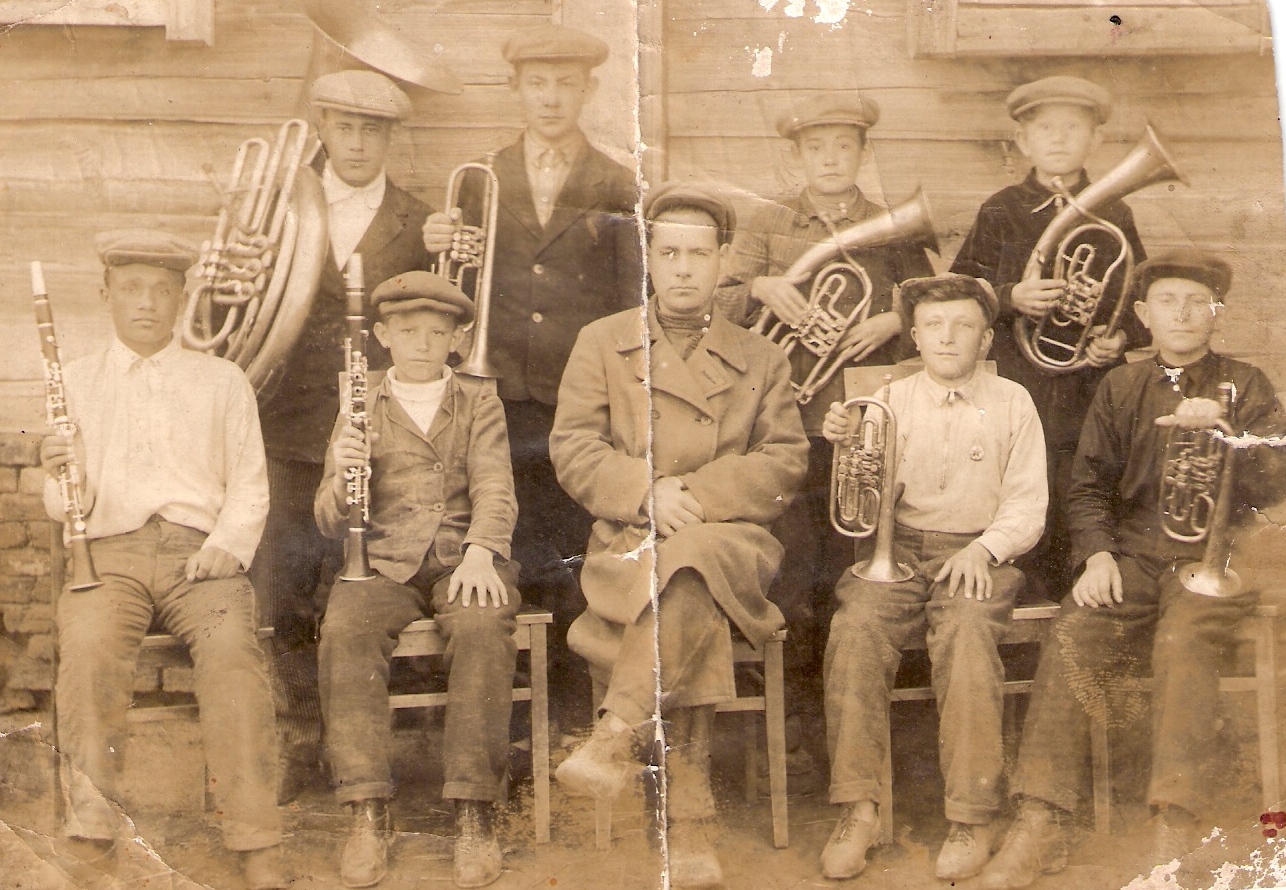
[[359, 634], [1093, 666], [288, 573], [874, 621]]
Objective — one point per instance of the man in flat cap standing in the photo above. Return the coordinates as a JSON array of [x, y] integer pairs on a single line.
[[367, 214], [828, 137], [176, 496], [1130, 608], [567, 253]]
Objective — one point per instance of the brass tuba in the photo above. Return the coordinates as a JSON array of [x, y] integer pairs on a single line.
[[258, 274], [1093, 256], [1196, 500], [823, 326], [470, 267], [862, 485]]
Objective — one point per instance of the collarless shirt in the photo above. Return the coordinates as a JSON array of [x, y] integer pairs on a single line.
[[972, 459], [548, 166], [350, 210], [174, 435]]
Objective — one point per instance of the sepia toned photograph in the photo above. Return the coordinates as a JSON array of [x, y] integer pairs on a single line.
[[600, 444]]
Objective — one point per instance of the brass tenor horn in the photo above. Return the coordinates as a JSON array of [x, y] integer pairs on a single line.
[[832, 273], [1196, 500], [863, 471], [1095, 259], [470, 268], [258, 274]]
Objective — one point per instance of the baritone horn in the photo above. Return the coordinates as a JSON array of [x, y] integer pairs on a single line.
[[1197, 481], [1095, 259], [469, 263], [834, 274], [863, 473]]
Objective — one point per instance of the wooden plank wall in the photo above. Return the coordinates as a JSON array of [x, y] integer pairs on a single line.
[[107, 126], [944, 127]]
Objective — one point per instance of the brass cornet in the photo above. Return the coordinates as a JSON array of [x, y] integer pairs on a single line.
[[476, 263], [823, 326], [1095, 259], [862, 485], [1196, 500]]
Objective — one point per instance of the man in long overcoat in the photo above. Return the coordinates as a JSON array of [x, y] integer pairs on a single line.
[[679, 432]]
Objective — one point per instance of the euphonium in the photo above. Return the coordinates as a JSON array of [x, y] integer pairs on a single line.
[[475, 261], [1095, 259], [83, 576], [823, 326], [258, 274], [357, 480], [1196, 500], [862, 485]]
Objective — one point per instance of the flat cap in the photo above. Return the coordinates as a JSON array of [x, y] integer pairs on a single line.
[[672, 195], [843, 108], [946, 288], [360, 92], [149, 247], [555, 43], [421, 290], [1190, 263], [1060, 90]]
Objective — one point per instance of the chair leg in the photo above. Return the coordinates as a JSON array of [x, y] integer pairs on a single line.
[[1102, 770], [775, 722], [750, 750], [540, 730], [1266, 694]]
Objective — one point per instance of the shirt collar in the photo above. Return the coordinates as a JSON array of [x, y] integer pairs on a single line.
[[122, 358], [1042, 197], [337, 190], [853, 202], [1199, 372], [569, 147], [941, 395]]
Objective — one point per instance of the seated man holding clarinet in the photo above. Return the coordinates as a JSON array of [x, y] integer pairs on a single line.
[[967, 474], [428, 461], [175, 497]]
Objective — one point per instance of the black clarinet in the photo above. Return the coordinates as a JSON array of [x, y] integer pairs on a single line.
[[357, 566]]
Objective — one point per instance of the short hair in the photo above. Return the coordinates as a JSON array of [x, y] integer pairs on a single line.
[[723, 235], [948, 288]]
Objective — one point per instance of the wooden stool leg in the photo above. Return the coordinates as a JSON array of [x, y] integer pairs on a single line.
[[1102, 770], [750, 752], [540, 730], [886, 789], [775, 722], [1266, 694]]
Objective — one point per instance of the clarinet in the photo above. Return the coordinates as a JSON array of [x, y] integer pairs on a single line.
[[83, 576], [357, 566]]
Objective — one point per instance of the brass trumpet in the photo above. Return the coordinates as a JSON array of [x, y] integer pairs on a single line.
[[862, 485], [1196, 500], [475, 261], [1095, 259], [824, 326]]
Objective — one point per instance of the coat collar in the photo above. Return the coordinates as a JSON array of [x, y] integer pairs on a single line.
[[381, 390], [705, 373]]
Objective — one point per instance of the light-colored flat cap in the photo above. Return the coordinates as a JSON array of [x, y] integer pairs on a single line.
[[148, 247], [555, 43], [421, 290], [843, 109], [360, 92], [1060, 90]]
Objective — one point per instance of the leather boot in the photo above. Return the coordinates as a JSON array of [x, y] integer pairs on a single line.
[[478, 858], [689, 802], [604, 765], [1035, 844], [365, 859], [265, 869]]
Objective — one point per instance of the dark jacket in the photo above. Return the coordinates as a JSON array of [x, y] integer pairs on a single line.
[[442, 489]]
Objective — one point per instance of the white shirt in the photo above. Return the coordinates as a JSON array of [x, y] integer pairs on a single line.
[[420, 400], [175, 435], [350, 210], [972, 460], [548, 167]]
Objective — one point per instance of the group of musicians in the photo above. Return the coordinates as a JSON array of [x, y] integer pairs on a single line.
[[647, 427]]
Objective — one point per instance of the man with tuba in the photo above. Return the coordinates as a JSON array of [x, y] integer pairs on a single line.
[[828, 138], [367, 214], [1129, 608], [1060, 123], [567, 253], [971, 497], [175, 496]]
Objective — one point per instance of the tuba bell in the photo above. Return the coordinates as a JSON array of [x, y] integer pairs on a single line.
[[470, 268], [832, 273], [862, 495], [1095, 259]]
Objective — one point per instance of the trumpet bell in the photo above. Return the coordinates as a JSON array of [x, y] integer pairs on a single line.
[[1201, 579]]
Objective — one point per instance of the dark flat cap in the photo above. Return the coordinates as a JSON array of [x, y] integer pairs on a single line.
[[672, 195], [843, 108], [1060, 90], [149, 247], [555, 43], [421, 290], [360, 92], [1189, 263]]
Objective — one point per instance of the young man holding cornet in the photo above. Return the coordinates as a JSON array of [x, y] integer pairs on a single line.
[[1136, 602], [970, 496]]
